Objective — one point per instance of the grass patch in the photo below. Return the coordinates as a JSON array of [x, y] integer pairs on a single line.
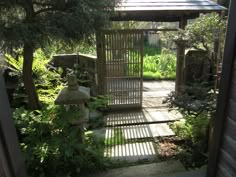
[[117, 138]]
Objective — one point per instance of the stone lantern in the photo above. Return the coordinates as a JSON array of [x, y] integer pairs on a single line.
[[75, 95]]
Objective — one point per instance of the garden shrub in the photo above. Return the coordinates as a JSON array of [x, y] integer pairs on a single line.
[[51, 145], [197, 105]]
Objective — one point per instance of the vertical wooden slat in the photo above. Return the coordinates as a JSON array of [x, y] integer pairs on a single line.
[[141, 68], [100, 63], [122, 56]]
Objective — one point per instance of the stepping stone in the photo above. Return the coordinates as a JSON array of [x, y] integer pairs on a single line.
[[147, 115], [138, 131], [149, 102], [159, 93], [161, 169], [132, 152], [155, 115]]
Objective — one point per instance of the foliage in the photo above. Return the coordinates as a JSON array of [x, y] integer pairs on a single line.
[[98, 103], [205, 30], [51, 144], [160, 66], [195, 99], [47, 79], [197, 105], [50, 19], [192, 128], [34, 24]]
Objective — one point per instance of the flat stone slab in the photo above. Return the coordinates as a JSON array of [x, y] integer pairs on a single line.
[[156, 85], [147, 115], [153, 102], [150, 170], [155, 115], [132, 152], [139, 131], [159, 93]]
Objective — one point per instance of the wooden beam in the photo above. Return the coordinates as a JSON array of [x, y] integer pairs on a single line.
[[155, 16], [138, 30], [180, 81], [10, 153], [222, 104], [101, 70], [183, 22]]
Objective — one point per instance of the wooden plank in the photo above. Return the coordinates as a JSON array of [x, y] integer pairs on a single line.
[[225, 86], [172, 8], [226, 162], [100, 63], [10, 153], [157, 4], [232, 110], [224, 171], [161, 1], [229, 145], [230, 128], [128, 31]]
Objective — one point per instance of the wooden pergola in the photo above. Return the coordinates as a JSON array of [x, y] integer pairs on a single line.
[[115, 48], [163, 10], [166, 11]]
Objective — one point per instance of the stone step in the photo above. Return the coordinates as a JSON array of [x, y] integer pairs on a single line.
[[132, 152], [158, 94], [127, 133], [147, 115], [161, 169]]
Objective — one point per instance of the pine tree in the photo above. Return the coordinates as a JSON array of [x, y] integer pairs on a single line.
[[30, 24]]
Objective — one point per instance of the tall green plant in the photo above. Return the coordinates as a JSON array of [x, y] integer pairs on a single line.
[[31, 24]]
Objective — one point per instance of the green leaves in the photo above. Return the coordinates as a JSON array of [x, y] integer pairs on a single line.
[[34, 22], [52, 146], [202, 32], [160, 66]]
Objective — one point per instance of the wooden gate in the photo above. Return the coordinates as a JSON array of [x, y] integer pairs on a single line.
[[120, 59]]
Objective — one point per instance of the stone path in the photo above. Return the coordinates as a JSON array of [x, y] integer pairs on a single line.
[[130, 136], [150, 170], [163, 169], [155, 91]]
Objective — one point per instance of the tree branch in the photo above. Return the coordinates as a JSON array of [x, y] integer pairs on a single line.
[[42, 4], [45, 10]]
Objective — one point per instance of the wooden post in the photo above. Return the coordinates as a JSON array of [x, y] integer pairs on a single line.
[[183, 23], [179, 82], [101, 65], [11, 161]]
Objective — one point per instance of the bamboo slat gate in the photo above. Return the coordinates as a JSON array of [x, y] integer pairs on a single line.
[[120, 59]]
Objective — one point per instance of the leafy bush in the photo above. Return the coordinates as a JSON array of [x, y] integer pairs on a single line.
[[160, 66], [192, 128], [51, 144], [197, 105], [48, 80]]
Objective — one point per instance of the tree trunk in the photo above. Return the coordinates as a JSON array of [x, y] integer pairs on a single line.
[[33, 101]]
